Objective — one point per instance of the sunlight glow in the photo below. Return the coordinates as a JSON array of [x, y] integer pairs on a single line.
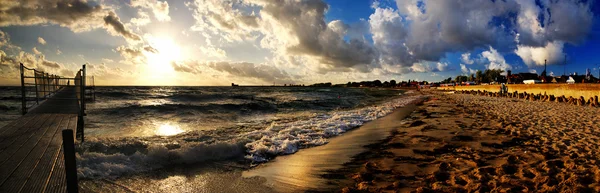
[[168, 130], [167, 51]]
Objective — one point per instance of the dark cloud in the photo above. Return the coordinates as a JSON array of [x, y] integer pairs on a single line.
[[567, 21], [150, 49], [113, 20], [68, 13], [305, 20]]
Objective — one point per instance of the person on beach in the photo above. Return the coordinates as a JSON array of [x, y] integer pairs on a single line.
[[503, 89]]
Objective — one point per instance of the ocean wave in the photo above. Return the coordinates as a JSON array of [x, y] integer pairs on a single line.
[[287, 138], [133, 155], [202, 108], [113, 157]]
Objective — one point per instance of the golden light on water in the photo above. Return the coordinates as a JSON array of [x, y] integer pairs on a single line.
[[167, 129]]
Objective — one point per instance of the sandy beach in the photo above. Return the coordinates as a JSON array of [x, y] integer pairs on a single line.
[[467, 143]]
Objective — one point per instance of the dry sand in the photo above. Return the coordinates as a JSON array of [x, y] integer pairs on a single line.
[[466, 143]]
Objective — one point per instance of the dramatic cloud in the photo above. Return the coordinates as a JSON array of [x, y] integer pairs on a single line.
[[567, 21], [118, 28], [535, 56], [419, 33], [300, 27], [41, 41], [77, 15]]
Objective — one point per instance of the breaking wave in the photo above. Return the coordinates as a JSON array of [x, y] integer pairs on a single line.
[[113, 157]]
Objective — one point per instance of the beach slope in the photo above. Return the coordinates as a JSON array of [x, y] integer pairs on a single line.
[[459, 142]]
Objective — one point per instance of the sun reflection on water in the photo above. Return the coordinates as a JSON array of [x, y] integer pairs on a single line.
[[167, 129]]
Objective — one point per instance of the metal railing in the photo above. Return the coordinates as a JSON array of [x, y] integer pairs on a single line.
[[38, 86]]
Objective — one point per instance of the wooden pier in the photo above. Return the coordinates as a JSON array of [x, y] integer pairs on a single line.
[[32, 148]]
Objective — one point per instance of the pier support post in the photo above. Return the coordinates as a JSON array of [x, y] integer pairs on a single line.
[[70, 162], [23, 96]]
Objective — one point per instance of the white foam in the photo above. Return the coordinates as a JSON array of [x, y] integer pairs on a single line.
[[97, 162], [287, 138], [113, 157]]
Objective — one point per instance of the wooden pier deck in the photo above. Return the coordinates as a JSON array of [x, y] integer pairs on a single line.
[[31, 149]]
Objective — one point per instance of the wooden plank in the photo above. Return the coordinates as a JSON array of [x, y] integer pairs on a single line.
[[21, 125], [12, 126], [38, 180], [23, 170], [56, 104], [58, 180], [23, 148], [16, 139]]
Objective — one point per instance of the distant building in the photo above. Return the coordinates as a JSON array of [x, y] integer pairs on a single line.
[[532, 81]]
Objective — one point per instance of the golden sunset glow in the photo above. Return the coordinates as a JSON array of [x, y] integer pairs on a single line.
[[167, 129], [167, 51]]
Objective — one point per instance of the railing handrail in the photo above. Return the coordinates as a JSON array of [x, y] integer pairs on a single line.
[[46, 85]]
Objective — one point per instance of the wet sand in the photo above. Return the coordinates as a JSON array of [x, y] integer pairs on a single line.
[[307, 169], [466, 143]]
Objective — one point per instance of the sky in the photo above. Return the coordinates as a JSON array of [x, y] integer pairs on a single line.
[[265, 42]]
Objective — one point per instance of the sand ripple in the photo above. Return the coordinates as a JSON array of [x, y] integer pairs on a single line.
[[460, 142]]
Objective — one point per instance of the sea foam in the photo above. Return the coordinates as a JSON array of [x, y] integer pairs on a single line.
[[113, 157]]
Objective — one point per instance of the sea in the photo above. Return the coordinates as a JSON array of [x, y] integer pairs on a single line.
[[136, 129]]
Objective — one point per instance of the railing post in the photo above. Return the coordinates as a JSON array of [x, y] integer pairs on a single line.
[[46, 88], [83, 90], [23, 99], [70, 161], [35, 75]]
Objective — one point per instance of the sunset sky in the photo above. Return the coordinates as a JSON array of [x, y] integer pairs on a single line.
[[262, 42]]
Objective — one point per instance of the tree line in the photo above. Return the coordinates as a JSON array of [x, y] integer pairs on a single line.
[[487, 76]]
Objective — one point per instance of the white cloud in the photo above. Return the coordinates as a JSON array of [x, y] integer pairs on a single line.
[[160, 9], [58, 52], [535, 56], [465, 70], [107, 61], [35, 51], [41, 41], [495, 60], [532, 71], [142, 19], [466, 58], [429, 67]]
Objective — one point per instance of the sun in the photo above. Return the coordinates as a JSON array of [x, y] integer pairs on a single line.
[[162, 53], [167, 129]]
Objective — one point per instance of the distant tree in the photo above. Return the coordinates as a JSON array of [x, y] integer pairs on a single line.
[[491, 75], [471, 78], [393, 83], [377, 83], [479, 76]]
